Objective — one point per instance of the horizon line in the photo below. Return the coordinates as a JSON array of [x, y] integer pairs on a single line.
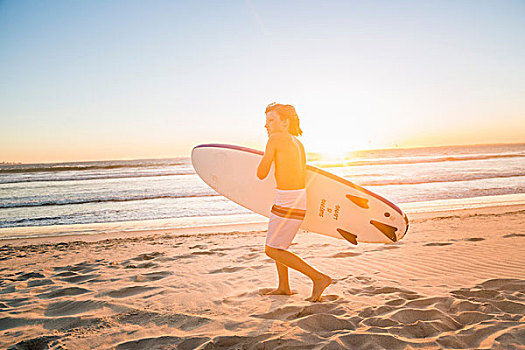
[[316, 153]]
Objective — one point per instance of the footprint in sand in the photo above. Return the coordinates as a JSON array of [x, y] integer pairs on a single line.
[[129, 291], [29, 275], [73, 307], [247, 257], [63, 292], [504, 284], [373, 290], [36, 343], [40, 282], [222, 249], [80, 278], [380, 322], [144, 265], [472, 317], [147, 256], [396, 302], [474, 239], [199, 246], [181, 321], [387, 247], [83, 267], [381, 341], [163, 342], [147, 265], [292, 312], [435, 318], [424, 303], [209, 253], [265, 291], [65, 274], [478, 295], [363, 279], [345, 255], [152, 276], [436, 244], [324, 323], [227, 270], [514, 235], [373, 311], [329, 297]]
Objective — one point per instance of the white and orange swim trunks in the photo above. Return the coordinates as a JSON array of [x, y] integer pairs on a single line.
[[286, 217]]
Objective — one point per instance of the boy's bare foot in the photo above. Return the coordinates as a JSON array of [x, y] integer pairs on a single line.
[[319, 287], [279, 292]]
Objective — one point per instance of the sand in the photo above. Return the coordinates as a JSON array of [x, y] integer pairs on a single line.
[[457, 280]]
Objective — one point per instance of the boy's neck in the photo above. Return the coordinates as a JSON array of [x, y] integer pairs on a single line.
[[282, 132]]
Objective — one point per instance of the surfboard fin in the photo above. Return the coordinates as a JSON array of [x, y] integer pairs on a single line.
[[361, 202], [387, 230], [350, 237]]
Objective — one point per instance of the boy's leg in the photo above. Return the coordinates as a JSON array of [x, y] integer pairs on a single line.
[[284, 283], [320, 281]]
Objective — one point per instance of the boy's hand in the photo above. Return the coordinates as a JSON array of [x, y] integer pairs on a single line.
[[266, 162]]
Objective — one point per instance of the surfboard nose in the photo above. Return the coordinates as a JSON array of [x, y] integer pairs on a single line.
[[405, 217]]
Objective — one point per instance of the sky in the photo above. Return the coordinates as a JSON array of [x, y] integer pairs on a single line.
[[98, 80]]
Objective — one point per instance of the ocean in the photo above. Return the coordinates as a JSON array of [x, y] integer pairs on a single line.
[[166, 193]]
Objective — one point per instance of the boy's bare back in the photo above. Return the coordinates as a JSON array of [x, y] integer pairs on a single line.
[[290, 162], [289, 157]]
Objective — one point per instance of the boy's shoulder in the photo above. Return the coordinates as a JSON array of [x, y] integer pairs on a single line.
[[279, 138], [285, 141]]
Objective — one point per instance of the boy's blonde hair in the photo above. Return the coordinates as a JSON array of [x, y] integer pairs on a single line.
[[286, 112]]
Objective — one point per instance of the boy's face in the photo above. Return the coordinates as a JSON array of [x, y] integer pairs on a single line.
[[274, 124]]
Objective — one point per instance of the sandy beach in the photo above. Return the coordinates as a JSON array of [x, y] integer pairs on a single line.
[[457, 280]]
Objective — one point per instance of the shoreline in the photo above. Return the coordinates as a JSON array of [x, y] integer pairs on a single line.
[[241, 228], [225, 223]]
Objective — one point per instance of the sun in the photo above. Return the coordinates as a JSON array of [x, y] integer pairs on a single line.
[[337, 147]]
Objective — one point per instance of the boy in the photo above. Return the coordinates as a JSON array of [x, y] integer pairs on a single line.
[[288, 155]]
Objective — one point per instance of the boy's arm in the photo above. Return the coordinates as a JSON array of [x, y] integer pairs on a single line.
[[266, 162]]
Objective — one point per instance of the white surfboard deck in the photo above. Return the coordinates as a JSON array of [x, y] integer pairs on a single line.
[[336, 207]]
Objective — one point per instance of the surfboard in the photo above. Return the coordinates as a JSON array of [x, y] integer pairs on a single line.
[[336, 207]]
